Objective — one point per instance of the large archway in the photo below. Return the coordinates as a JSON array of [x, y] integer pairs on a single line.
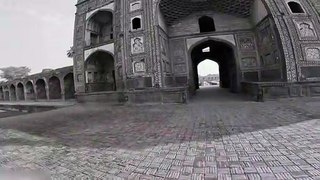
[[20, 92], [13, 94], [100, 73], [54, 88], [224, 55], [30, 95], [69, 89], [41, 89]]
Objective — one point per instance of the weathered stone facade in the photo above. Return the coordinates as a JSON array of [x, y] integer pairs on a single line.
[[148, 50], [49, 85]]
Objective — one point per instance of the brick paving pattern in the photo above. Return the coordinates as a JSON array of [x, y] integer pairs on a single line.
[[229, 140]]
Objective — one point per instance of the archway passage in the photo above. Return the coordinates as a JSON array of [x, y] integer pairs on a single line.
[[20, 92], [100, 27], [41, 89], [1, 94], [100, 73], [54, 88], [223, 54], [13, 94], [30, 95], [69, 89]]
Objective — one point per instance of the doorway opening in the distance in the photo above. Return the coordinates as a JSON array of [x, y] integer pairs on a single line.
[[208, 73], [216, 59]]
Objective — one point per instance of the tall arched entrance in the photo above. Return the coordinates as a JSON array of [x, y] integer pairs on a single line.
[[41, 89], [54, 88], [20, 92], [100, 73], [30, 95], [223, 54], [69, 89]]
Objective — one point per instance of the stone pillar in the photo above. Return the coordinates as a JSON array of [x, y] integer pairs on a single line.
[[63, 93]]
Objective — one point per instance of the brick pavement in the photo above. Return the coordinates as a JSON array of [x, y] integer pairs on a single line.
[[226, 140]]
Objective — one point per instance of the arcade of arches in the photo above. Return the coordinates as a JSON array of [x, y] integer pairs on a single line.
[[56, 85]]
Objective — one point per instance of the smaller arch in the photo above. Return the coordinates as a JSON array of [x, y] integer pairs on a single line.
[[41, 89], [69, 88], [136, 23], [1, 93], [99, 27], [30, 94], [13, 94], [54, 88], [206, 24], [295, 7], [20, 91]]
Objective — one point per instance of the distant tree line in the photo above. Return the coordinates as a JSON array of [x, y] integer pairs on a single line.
[[11, 73]]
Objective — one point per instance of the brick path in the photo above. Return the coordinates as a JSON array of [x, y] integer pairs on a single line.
[[226, 140]]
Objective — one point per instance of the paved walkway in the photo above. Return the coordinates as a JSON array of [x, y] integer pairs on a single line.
[[201, 140]]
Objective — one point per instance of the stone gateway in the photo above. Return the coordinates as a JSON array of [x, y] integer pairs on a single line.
[[148, 50]]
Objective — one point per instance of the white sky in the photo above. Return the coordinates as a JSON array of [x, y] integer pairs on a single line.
[[38, 33], [208, 67]]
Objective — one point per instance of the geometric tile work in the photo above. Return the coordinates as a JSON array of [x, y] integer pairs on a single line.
[[176, 9]]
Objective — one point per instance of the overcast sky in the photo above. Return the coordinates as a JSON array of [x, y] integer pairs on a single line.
[[36, 33]]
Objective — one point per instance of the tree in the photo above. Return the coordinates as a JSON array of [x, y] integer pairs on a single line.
[[11, 73]]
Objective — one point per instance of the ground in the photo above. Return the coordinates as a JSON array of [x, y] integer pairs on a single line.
[[213, 137]]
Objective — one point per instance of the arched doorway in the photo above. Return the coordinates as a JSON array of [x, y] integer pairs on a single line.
[[223, 54], [41, 89], [100, 73], [7, 96], [69, 89], [20, 92], [1, 93], [54, 88], [99, 28], [13, 94], [30, 95]]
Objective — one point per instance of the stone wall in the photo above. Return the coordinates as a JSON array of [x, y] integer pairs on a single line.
[[316, 4]]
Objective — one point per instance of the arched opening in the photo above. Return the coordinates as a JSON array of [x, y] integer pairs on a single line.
[[30, 95], [223, 55], [208, 72], [54, 88], [41, 89], [136, 23], [100, 27], [295, 7], [1, 94], [206, 24], [20, 92], [6, 95], [100, 73], [13, 94], [69, 89]]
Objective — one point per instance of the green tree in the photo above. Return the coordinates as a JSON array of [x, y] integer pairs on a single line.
[[11, 73]]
